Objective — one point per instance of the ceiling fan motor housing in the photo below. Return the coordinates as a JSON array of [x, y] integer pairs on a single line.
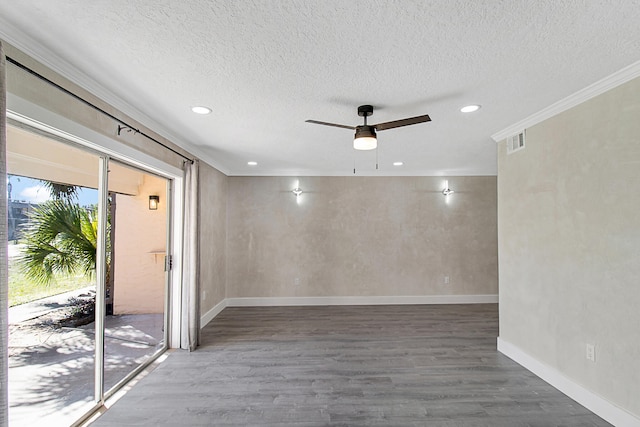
[[365, 110], [365, 131]]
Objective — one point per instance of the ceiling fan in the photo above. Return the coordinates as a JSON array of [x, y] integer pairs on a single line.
[[365, 138]]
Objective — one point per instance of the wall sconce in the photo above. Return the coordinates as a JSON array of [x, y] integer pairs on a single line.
[[447, 191], [297, 191], [153, 203]]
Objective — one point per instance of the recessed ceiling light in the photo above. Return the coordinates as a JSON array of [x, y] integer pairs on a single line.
[[201, 110], [470, 108], [252, 163], [398, 163]]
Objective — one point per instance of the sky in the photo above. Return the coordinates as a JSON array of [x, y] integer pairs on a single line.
[[32, 191]]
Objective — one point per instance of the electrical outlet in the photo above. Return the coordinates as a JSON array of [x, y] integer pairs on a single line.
[[591, 352], [296, 281], [446, 279]]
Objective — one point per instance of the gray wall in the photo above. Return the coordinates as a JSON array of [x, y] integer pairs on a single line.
[[361, 236], [213, 217], [569, 244]]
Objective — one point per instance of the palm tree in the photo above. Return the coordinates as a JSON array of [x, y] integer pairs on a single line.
[[60, 238], [59, 191]]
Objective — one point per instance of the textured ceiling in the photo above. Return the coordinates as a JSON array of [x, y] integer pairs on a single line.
[[264, 67]]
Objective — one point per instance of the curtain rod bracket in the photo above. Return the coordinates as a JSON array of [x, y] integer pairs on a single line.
[[128, 129]]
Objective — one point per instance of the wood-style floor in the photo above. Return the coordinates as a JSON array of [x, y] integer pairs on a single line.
[[422, 365]]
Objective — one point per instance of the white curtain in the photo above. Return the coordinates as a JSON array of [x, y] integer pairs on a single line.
[[190, 334], [4, 283]]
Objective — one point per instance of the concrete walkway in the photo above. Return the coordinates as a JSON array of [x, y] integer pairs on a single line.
[[31, 310]]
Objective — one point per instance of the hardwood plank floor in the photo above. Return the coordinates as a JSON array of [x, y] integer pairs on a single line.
[[422, 365]]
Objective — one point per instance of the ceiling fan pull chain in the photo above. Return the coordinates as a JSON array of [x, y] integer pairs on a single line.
[[376, 157]]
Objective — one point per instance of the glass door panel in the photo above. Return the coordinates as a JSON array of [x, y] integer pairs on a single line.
[[134, 325], [52, 209]]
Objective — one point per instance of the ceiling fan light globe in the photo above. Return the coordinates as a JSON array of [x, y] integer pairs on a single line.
[[365, 138], [365, 143]]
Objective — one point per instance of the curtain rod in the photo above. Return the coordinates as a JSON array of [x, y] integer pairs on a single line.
[[123, 125]]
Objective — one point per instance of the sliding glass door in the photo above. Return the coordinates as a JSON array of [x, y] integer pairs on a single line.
[[53, 224], [136, 285], [88, 237]]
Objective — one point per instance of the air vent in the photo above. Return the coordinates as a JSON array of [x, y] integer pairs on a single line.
[[515, 142]]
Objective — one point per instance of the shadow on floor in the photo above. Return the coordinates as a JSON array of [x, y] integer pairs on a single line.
[[51, 369]]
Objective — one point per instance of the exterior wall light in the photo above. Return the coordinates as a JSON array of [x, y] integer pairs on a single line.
[[153, 203]]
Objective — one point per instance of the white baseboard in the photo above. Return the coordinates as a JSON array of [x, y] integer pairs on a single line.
[[596, 404], [211, 314], [362, 300], [385, 300]]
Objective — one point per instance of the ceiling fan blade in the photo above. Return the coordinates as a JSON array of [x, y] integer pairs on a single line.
[[403, 122], [330, 124]]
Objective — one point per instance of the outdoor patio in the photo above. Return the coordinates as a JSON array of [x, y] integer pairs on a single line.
[[51, 368]]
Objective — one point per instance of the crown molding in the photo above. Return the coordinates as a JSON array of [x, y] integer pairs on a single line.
[[626, 74], [28, 45]]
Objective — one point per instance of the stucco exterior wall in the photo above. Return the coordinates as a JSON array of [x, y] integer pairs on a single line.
[[140, 243], [569, 244]]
